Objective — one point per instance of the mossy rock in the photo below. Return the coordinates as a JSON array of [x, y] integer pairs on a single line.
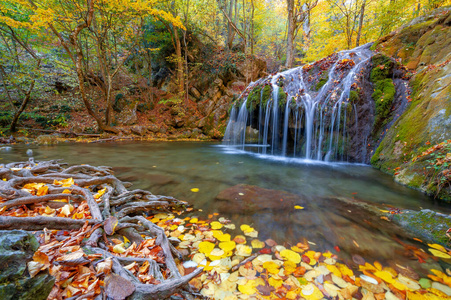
[[383, 96], [267, 95], [354, 97], [322, 81], [426, 224], [382, 67], [16, 250], [253, 100], [281, 97]]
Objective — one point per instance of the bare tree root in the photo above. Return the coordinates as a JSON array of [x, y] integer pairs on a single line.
[[112, 209]]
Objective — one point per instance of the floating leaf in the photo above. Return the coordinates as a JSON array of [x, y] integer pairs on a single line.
[[249, 288], [227, 246], [216, 225], [271, 267], [243, 250], [206, 247], [438, 253], [256, 244], [438, 247], [246, 228], [194, 190], [291, 256], [298, 207]]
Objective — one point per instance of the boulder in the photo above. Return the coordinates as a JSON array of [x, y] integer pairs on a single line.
[[16, 249], [153, 128], [127, 116], [139, 130], [247, 199]]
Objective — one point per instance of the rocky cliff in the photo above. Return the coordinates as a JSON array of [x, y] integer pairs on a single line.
[[416, 148]]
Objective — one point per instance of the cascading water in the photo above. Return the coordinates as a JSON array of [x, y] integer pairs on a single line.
[[305, 120]]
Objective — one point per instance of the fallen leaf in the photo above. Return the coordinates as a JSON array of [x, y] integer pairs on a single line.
[[118, 288]]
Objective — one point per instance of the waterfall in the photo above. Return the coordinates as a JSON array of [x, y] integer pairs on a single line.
[[313, 122]]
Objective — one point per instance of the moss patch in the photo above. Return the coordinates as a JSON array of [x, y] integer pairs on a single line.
[[266, 95], [253, 100], [382, 67], [322, 81]]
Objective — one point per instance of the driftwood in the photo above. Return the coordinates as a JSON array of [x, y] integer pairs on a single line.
[[124, 206]]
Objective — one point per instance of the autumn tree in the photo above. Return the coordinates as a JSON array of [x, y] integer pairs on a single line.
[[19, 61], [111, 25], [297, 13]]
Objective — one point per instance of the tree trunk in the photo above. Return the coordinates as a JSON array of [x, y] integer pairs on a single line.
[[290, 34], [12, 127], [361, 17], [178, 53], [230, 30]]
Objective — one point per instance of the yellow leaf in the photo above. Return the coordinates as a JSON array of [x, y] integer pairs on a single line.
[[216, 225], [206, 247], [194, 190], [100, 193], [246, 228], [227, 246], [67, 182], [277, 283], [194, 220], [66, 191], [49, 210], [384, 211], [298, 207], [271, 267], [345, 270], [378, 265], [220, 236], [243, 250], [42, 191], [248, 288], [256, 244], [119, 248], [439, 253], [438, 247], [291, 256], [334, 270], [385, 276], [67, 210]]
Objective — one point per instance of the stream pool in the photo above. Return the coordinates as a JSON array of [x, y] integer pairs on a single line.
[[174, 168]]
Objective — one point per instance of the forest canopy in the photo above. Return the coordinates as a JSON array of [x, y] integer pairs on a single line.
[[91, 41]]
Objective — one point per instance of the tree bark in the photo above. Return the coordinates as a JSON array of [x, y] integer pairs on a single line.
[[361, 17], [290, 34]]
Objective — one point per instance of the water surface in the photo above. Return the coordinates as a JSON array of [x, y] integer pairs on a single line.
[[175, 168]]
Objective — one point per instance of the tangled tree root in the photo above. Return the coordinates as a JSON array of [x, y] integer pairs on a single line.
[[114, 212]]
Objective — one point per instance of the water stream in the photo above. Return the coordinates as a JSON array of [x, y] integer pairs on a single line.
[[175, 168]]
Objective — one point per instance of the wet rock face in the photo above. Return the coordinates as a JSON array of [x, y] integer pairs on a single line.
[[16, 249], [246, 199]]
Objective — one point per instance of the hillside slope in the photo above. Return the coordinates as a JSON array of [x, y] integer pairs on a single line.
[[416, 149]]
